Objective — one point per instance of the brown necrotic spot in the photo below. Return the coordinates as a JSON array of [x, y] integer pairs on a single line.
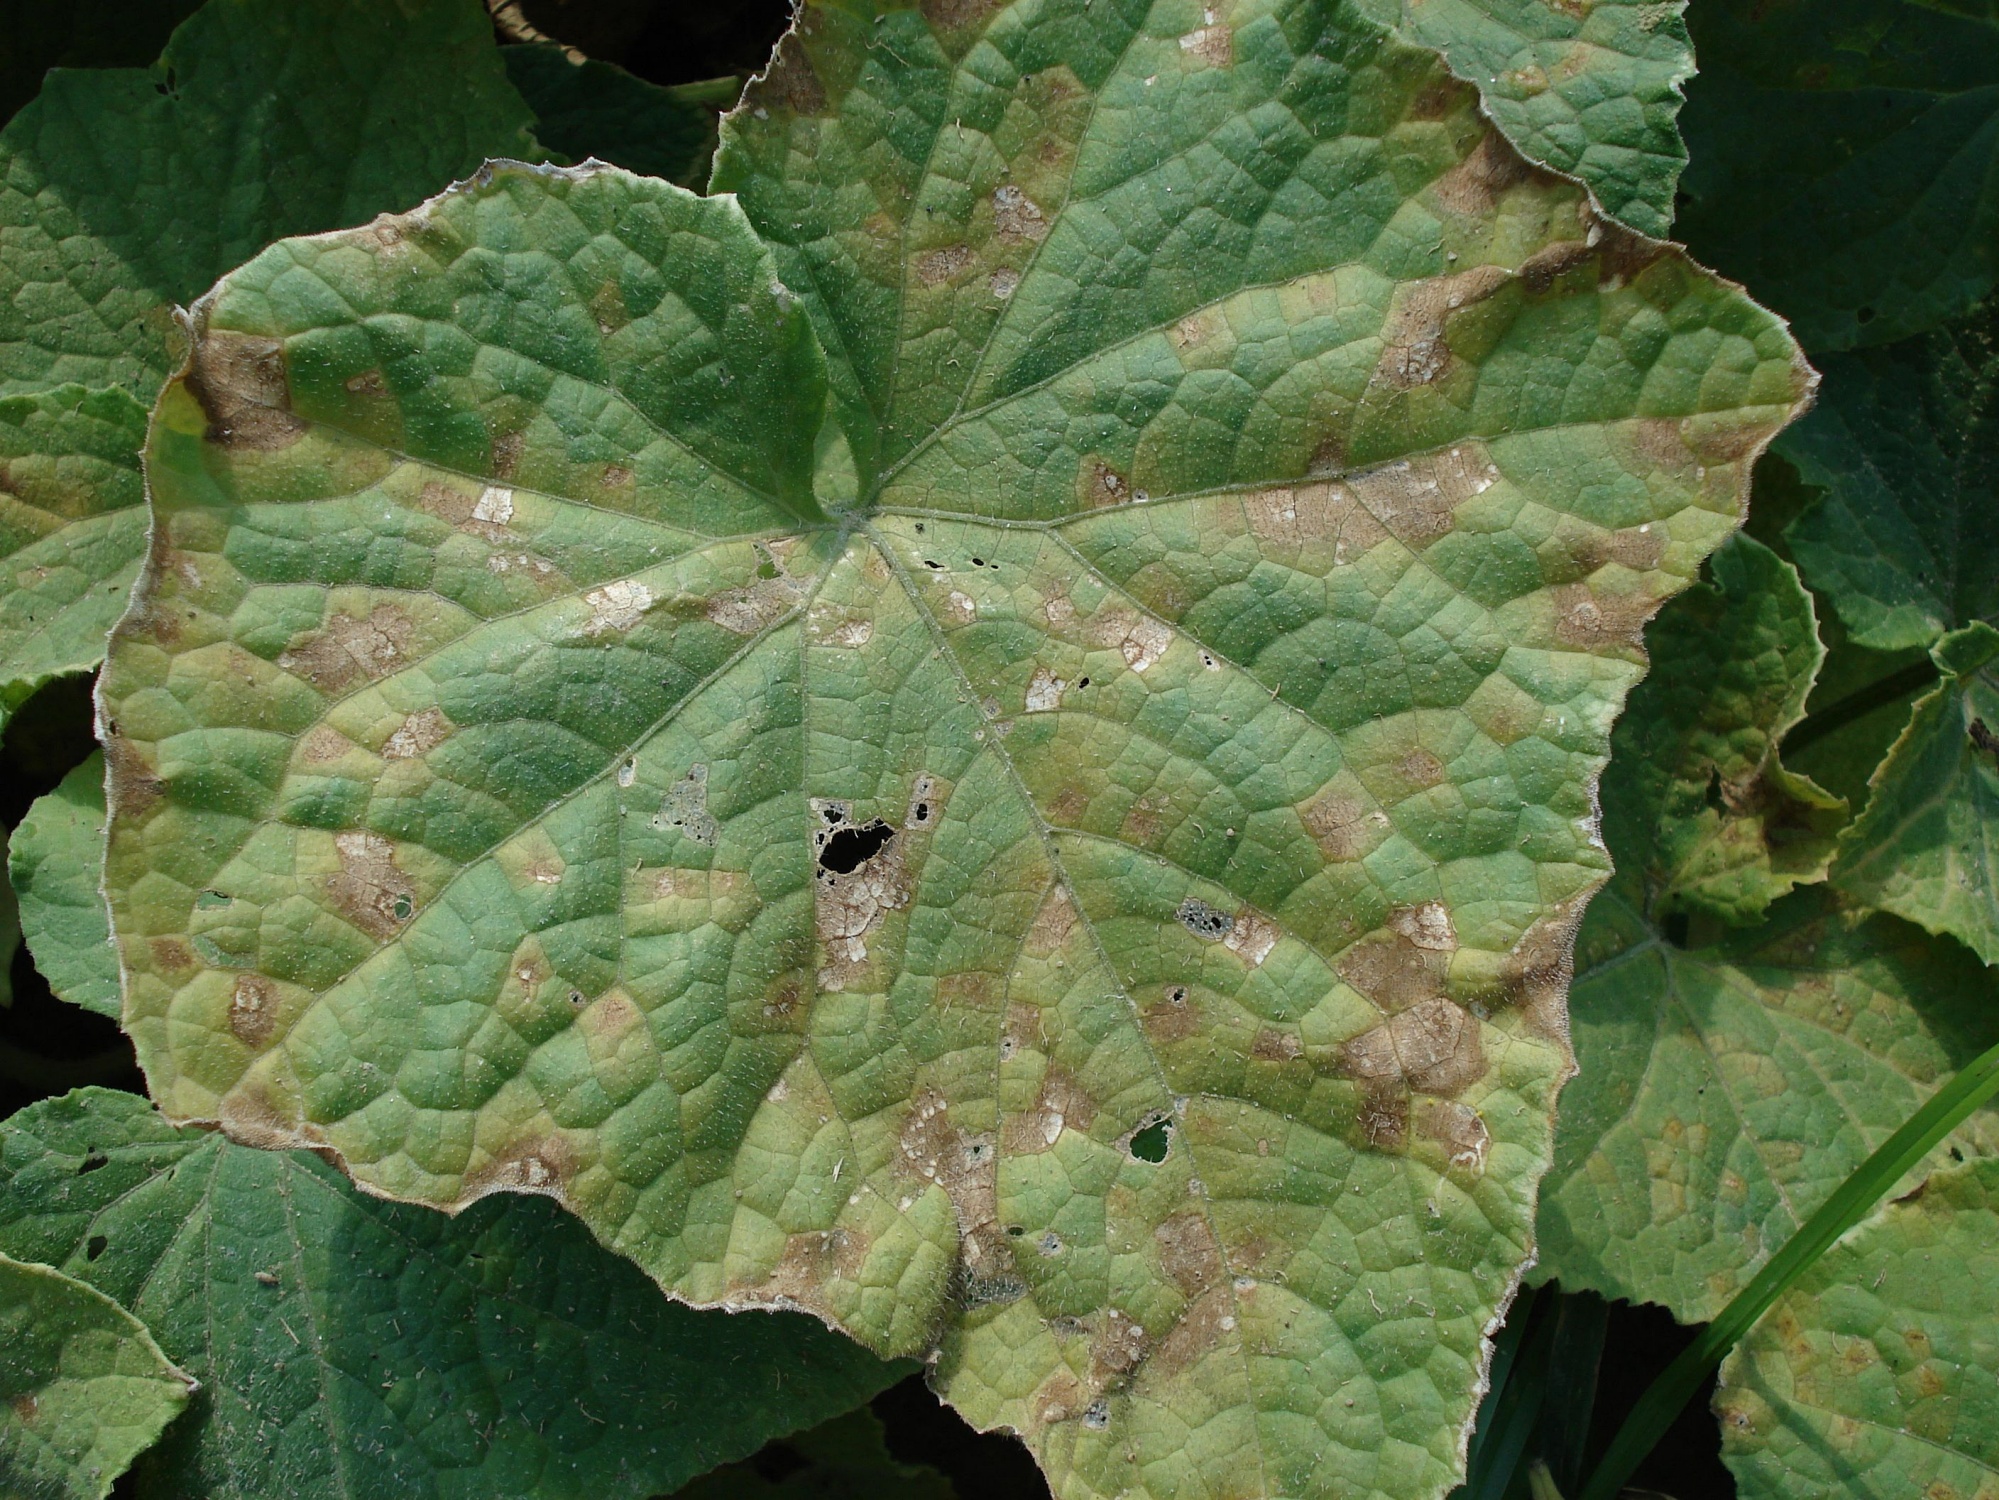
[[1213, 45], [1017, 218], [368, 889], [934, 267], [418, 735], [1472, 189], [1393, 972], [1207, 1325], [1383, 1117], [790, 83], [1187, 1252], [1433, 1047], [1172, 1017], [170, 955], [685, 807], [931, 1148], [1060, 1105], [1592, 621], [542, 1165], [253, 1009], [1342, 826], [1416, 500], [240, 383], [1459, 1130], [1415, 348], [860, 877], [349, 648], [323, 744]]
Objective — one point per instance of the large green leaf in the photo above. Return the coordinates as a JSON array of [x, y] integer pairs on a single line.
[[83, 1387], [55, 864], [1845, 160], [1879, 1373], [1727, 828], [1927, 846], [592, 109], [72, 528], [1095, 905], [1593, 90], [1905, 444], [126, 191], [1731, 1080], [346, 1346]]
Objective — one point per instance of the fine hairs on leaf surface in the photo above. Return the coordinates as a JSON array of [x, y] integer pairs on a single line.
[[83, 1387], [1163, 709], [347, 1346]]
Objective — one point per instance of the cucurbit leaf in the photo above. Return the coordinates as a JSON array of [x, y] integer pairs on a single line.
[[347, 1346], [595, 109], [1842, 160], [1725, 828], [72, 530], [1591, 90], [55, 867], [83, 1388], [1877, 1373], [1927, 845], [1092, 899], [127, 191]]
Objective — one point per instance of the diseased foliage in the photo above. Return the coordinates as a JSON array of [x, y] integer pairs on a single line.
[[1053, 869], [993, 733]]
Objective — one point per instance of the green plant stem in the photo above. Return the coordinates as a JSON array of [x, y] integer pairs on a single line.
[[1856, 1197]]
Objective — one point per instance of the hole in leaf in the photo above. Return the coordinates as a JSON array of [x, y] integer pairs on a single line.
[[1082, 682], [1149, 1144], [92, 1162], [1675, 927], [403, 908], [847, 849], [922, 813], [95, 1246], [1016, 1230]]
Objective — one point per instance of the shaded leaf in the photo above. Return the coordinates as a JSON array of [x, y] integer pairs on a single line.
[[844, 1459], [1730, 1080], [1726, 1090], [1878, 1374], [593, 109], [55, 865], [83, 1387], [1905, 443], [1594, 91], [349, 1346], [1927, 845], [72, 529], [1843, 156], [1726, 828], [81, 34], [126, 191], [1063, 933]]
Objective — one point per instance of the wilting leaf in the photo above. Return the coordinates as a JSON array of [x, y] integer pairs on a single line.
[[1729, 829], [1878, 1373], [1592, 90], [1927, 846], [126, 191], [1093, 901], [79, 34], [83, 1387], [1905, 443], [72, 528], [1843, 160], [347, 1346], [55, 862], [591, 109], [1730, 1080]]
